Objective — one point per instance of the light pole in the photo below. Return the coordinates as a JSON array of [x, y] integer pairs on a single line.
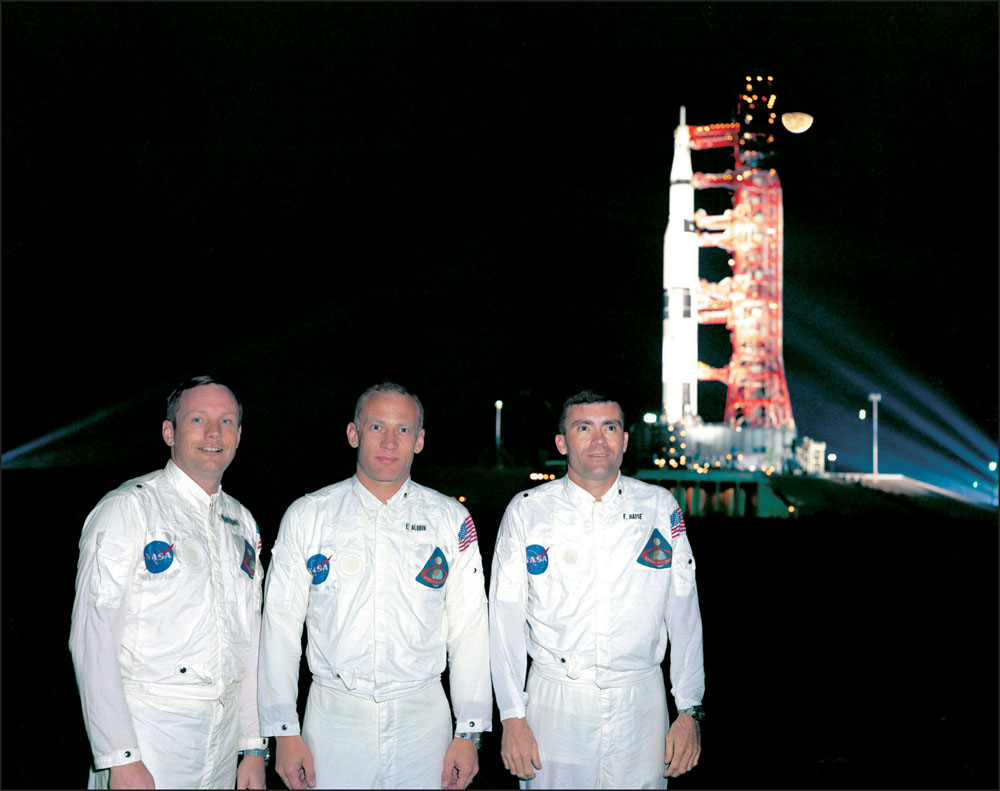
[[499, 406], [874, 398]]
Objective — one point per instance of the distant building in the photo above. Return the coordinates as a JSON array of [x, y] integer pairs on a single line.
[[810, 456]]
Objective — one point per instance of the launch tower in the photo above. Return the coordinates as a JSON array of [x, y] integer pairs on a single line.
[[758, 429]]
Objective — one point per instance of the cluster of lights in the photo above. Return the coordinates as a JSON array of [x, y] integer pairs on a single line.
[[542, 476], [715, 127], [703, 468]]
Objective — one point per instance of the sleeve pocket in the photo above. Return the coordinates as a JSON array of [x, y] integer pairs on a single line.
[[280, 584], [683, 568], [111, 569], [510, 582]]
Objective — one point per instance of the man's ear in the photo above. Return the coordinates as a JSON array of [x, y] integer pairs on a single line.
[[353, 439], [561, 444], [168, 433]]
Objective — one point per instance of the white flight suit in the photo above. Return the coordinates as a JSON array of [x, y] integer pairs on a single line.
[[388, 595], [593, 592], [165, 630]]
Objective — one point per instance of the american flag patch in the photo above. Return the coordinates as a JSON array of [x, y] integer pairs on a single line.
[[466, 534], [260, 544], [677, 523]]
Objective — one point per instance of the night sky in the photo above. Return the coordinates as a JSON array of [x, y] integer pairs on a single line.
[[470, 199]]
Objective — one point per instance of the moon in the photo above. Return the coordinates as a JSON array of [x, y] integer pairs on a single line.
[[796, 122]]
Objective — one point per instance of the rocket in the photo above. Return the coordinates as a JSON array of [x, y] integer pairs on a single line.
[[680, 286]]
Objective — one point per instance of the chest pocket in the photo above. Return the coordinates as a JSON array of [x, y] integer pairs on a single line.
[[335, 566], [166, 564]]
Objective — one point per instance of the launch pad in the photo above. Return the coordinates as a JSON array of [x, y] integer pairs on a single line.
[[717, 446]]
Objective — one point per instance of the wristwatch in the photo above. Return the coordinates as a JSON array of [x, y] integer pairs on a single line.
[[476, 738], [265, 753], [697, 712]]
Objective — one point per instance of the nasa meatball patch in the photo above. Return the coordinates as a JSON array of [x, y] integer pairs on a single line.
[[657, 553], [319, 567], [435, 570], [538, 558], [158, 556]]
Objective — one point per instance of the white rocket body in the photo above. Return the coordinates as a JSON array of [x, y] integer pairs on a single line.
[[680, 285]]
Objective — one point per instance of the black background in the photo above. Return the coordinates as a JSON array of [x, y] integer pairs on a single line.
[[470, 199]]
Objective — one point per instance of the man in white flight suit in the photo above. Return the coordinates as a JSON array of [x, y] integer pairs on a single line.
[[592, 576], [388, 577], [166, 620]]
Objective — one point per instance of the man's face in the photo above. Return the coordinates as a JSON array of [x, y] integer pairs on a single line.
[[205, 439], [594, 442], [387, 437]]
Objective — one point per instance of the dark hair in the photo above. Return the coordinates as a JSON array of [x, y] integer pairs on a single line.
[[387, 387], [197, 381], [586, 397]]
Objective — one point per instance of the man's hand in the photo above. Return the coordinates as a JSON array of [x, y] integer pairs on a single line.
[[461, 764], [294, 762], [683, 747], [251, 773], [133, 775], [519, 749]]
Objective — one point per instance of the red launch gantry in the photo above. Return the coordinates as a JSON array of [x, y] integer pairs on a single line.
[[749, 302]]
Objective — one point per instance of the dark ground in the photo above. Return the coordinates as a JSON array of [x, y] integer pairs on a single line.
[[847, 649]]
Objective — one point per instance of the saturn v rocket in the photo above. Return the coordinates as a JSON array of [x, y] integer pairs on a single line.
[[680, 286], [749, 302]]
